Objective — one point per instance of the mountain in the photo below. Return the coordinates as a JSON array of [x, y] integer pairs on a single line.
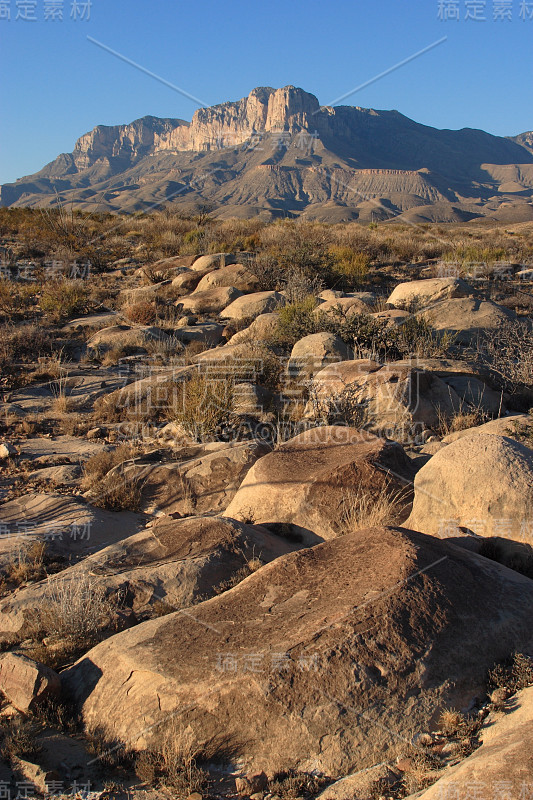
[[278, 152]]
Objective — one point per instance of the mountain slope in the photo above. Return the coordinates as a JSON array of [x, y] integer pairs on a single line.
[[278, 152]]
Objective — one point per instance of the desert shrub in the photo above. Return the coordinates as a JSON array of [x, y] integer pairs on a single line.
[[295, 321], [22, 343], [61, 299], [27, 564], [19, 738], [299, 285], [367, 336], [291, 785], [97, 466], [203, 404], [351, 267], [267, 270], [416, 337], [514, 674], [451, 721], [172, 761], [142, 313], [117, 492], [508, 353], [76, 609], [193, 242], [15, 298]]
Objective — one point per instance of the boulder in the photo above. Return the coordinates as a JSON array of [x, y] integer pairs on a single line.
[[92, 321], [202, 483], [331, 380], [362, 785], [397, 401], [347, 305], [482, 484], [233, 275], [464, 380], [143, 294], [308, 481], [213, 261], [210, 301], [252, 305], [426, 292], [173, 563], [312, 353], [391, 316], [505, 758], [124, 336], [261, 330], [208, 332], [56, 450], [323, 659], [187, 281], [468, 318], [69, 526], [7, 451], [26, 683], [82, 386]]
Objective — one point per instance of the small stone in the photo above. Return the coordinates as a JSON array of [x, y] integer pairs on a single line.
[[404, 764], [6, 450], [195, 796], [253, 783]]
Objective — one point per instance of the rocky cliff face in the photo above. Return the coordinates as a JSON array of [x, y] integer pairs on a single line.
[[130, 142], [229, 124], [336, 164], [525, 139]]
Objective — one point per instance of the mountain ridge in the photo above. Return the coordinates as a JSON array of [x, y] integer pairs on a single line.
[[278, 152]]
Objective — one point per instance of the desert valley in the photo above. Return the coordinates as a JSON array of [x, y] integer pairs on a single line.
[[266, 450]]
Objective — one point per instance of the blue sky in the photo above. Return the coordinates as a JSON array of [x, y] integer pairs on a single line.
[[56, 84]]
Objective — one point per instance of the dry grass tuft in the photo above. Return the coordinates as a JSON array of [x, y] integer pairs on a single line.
[[364, 508]]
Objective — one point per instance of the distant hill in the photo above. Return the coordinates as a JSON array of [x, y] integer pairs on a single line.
[[277, 152]]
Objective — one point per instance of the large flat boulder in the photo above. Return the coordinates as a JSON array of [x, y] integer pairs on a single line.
[[321, 660], [213, 261], [426, 292], [262, 329], [480, 483], [347, 305], [172, 563], [397, 401], [81, 386], [468, 318], [187, 281], [137, 337], [210, 301], [210, 333], [236, 275], [512, 426], [310, 354], [69, 526], [202, 484], [251, 305], [307, 481]]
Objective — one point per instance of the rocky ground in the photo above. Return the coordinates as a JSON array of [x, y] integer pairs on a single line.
[[266, 516]]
